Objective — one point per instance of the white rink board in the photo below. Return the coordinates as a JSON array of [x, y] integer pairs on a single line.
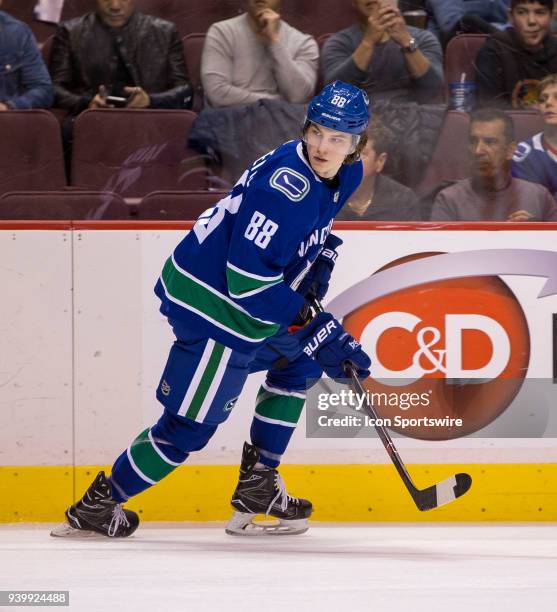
[[35, 348], [108, 338], [122, 341]]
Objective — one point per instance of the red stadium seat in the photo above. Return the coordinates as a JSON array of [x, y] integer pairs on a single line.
[[76, 8], [46, 50], [31, 156], [62, 205], [193, 49], [450, 157], [24, 11], [318, 18], [526, 123], [460, 57], [134, 152], [190, 16], [177, 205], [20, 9]]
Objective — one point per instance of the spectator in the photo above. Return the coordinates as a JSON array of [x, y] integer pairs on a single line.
[[451, 17], [379, 198], [257, 55], [491, 193], [536, 159], [117, 51], [384, 56], [511, 63], [24, 79]]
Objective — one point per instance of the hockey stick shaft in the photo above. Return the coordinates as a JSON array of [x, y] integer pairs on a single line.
[[382, 432], [425, 499], [380, 429]]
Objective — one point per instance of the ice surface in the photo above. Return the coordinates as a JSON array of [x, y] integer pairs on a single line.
[[348, 568]]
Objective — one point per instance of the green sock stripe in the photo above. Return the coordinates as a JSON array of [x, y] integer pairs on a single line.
[[205, 382], [147, 459], [279, 407]]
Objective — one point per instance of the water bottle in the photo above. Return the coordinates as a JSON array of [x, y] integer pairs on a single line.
[[462, 95]]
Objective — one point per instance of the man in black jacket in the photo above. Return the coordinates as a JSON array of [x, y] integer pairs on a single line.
[[117, 56], [511, 63]]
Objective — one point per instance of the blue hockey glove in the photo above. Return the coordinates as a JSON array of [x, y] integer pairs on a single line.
[[326, 341], [316, 281]]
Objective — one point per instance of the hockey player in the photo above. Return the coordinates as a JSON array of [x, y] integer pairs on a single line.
[[229, 293]]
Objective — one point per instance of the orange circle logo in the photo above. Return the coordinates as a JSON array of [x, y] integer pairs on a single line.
[[453, 348]]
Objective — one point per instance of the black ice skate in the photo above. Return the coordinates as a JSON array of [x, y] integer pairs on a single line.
[[97, 513], [262, 491]]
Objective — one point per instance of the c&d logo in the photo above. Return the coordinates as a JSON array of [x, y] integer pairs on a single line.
[[447, 326]]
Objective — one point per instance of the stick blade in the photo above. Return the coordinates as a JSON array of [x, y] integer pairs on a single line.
[[443, 493]]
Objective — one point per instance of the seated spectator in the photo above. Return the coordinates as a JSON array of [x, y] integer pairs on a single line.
[[491, 193], [384, 56], [535, 159], [450, 17], [24, 79], [379, 198], [511, 63], [257, 55], [116, 56]]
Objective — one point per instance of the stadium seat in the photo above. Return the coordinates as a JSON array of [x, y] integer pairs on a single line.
[[190, 16], [62, 205], [46, 49], [20, 9], [177, 205], [526, 123], [134, 152], [76, 8], [193, 48], [24, 11], [460, 57], [450, 156], [318, 18], [31, 156]]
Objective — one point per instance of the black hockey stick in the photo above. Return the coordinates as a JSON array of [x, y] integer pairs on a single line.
[[425, 499]]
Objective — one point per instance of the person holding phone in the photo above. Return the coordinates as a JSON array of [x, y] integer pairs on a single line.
[[116, 56], [384, 56]]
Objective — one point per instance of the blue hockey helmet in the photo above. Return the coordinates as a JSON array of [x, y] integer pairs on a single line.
[[340, 106]]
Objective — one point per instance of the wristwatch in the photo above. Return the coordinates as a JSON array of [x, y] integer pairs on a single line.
[[411, 47]]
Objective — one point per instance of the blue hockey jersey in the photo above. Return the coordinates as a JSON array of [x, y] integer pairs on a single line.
[[233, 277], [534, 161]]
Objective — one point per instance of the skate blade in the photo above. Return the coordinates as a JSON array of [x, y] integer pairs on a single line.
[[244, 524], [67, 531]]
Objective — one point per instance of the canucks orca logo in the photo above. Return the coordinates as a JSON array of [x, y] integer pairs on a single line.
[[522, 151], [165, 388], [294, 185], [230, 404]]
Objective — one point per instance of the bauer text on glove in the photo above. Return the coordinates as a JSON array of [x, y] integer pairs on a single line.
[[326, 341]]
